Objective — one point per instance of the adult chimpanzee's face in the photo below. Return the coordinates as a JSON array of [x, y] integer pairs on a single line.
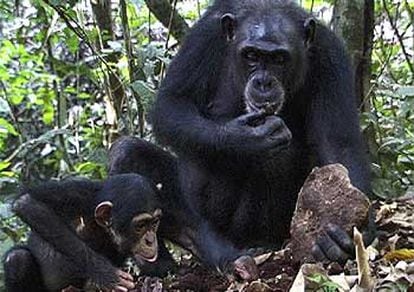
[[270, 55]]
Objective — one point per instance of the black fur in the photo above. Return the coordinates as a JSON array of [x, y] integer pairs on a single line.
[[245, 189], [180, 224], [58, 254]]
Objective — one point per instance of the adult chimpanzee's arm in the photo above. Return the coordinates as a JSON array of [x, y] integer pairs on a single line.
[[178, 123], [333, 123], [187, 229], [333, 131], [180, 114], [49, 226]]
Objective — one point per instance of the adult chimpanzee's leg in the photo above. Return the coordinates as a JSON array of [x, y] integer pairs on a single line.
[[22, 273]]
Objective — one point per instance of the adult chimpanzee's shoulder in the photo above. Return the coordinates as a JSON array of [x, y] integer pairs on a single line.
[[196, 66]]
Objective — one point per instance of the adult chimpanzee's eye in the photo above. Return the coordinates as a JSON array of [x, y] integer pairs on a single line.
[[280, 59]]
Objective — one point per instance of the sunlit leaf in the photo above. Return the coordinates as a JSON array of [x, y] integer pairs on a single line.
[[406, 90], [4, 165], [4, 106], [7, 127], [400, 254]]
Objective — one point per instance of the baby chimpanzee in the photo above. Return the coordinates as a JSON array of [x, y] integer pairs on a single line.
[[82, 231]]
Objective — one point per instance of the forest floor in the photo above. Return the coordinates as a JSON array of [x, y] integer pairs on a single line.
[[389, 261]]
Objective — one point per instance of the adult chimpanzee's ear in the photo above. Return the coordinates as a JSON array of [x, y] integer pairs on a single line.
[[103, 214], [310, 29], [228, 25]]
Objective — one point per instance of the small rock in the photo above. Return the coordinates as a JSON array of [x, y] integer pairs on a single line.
[[327, 196]]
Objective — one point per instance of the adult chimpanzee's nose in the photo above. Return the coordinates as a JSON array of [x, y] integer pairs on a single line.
[[263, 83]]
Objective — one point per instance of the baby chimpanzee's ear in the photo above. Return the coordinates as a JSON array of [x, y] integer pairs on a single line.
[[103, 214]]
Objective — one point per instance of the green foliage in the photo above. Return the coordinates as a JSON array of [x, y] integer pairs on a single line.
[[392, 100], [57, 68], [67, 89], [323, 283]]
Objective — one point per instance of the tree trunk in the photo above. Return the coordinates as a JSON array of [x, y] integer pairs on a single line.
[[114, 88], [133, 69], [163, 11], [353, 20]]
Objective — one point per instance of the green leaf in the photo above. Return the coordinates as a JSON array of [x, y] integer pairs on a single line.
[[72, 40], [9, 174], [48, 115], [4, 106], [7, 127], [84, 95], [142, 88], [86, 167], [325, 284], [405, 91], [4, 165], [16, 99]]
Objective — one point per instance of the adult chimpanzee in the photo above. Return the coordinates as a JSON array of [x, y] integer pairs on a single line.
[[82, 231], [258, 95]]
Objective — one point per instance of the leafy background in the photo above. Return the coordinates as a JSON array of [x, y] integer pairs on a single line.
[[68, 88]]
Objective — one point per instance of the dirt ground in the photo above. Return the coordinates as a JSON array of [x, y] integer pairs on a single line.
[[391, 261]]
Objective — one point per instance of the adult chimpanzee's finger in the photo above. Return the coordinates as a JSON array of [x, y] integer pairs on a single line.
[[120, 289], [272, 125], [318, 254], [340, 237], [250, 118], [125, 280], [331, 249], [126, 284], [277, 133], [125, 275]]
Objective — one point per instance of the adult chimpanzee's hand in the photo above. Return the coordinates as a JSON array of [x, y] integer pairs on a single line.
[[337, 246], [254, 133], [334, 246], [244, 268]]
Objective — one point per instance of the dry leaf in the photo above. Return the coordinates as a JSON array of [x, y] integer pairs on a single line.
[[404, 254], [365, 280]]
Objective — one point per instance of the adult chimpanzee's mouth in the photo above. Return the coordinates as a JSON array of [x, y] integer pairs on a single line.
[[147, 258], [268, 107], [270, 102], [251, 107]]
